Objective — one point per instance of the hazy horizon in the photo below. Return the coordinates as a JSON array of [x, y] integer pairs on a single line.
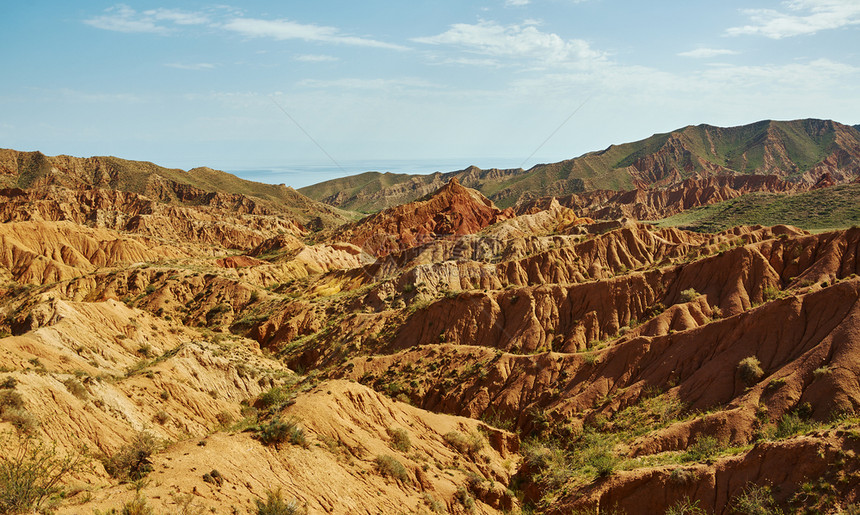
[[186, 84]]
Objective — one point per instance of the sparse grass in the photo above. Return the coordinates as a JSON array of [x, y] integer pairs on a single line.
[[755, 500], [275, 504], [8, 382], [278, 431], [821, 371], [388, 466], [434, 505], [703, 450], [76, 388], [399, 439], [31, 474], [463, 497], [791, 424], [686, 507], [465, 443], [821, 209]]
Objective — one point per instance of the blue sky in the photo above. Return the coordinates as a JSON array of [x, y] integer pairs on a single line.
[[268, 84]]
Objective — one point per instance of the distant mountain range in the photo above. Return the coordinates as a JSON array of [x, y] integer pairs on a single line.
[[799, 151], [196, 187]]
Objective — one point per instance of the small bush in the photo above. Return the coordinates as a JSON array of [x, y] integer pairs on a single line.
[[162, 417], [821, 371], [224, 418], [771, 293], [10, 399], [434, 505], [465, 444], [750, 370], [276, 505], [30, 475], [755, 500], [136, 506], [275, 398], [462, 495], [213, 477], [388, 466], [131, 462], [777, 383], [791, 424], [399, 439], [24, 421], [686, 507], [716, 312], [76, 388], [689, 294], [703, 450], [279, 431], [8, 382]]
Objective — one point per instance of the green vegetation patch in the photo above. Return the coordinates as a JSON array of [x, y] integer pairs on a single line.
[[837, 207]]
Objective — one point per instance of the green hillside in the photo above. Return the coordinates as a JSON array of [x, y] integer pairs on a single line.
[[836, 207], [24, 169], [784, 148]]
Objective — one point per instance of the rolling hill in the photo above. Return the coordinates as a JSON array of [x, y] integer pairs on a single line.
[[801, 151], [199, 186]]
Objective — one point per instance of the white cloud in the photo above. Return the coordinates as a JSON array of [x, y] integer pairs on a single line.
[[704, 53], [316, 58], [369, 84], [191, 66], [122, 18], [516, 2], [804, 17], [177, 17], [515, 41], [286, 29]]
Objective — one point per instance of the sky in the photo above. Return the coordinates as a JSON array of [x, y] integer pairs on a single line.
[[299, 92]]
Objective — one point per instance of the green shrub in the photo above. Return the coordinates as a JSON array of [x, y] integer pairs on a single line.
[[162, 417], [136, 506], [10, 399], [755, 500], [465, 444], [24, 421], [771, 293], [131, 462], [593, 454], [463, 497], [791, 424], [30, 475], [278, 431], [821, 371], [703, 450], [276, 505], [399, 439], [750, 370], [388, 466], [686, 507], [689, 294], [76, 388], [9, 383], [276, 398]]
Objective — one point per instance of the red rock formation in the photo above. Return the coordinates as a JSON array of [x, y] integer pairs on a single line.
[[451, 211]]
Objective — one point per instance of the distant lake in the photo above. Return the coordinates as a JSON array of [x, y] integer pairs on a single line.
[[300, 175]]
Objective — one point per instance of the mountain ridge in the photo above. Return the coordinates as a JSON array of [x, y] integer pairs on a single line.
[[197, 186], [799, 150]]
